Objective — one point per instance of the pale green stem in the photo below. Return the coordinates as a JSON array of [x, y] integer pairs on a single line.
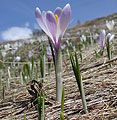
[[83, 97], [44, 65], [0, 79], [9, 74], [8, 83], [58, 72], [109, 51]]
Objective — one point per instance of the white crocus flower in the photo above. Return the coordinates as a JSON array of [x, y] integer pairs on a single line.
[[110, 25], [18, 59], [103, 38], [83, 38]]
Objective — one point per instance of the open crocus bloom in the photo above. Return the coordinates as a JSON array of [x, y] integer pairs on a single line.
[[110, 25], [103, 38], [54, 24]]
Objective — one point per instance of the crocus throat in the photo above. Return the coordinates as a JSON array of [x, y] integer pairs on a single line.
[[56, 16]]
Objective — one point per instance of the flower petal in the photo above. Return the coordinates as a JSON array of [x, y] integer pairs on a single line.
[[110, 37], [41, 19], [102, 38], [51, 25], [58, 11], [65, 18], [63, 22]]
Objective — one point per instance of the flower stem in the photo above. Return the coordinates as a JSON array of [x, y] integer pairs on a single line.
[[58, 72], [108, 51], [44, 65], [83, 97]]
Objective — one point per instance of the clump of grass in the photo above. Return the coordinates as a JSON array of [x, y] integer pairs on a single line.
[[76, 69]]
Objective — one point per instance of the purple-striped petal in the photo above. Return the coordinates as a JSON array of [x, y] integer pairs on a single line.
[[110, 37], [51, 25], [63, 22], [102, 38], [40, 20], [58, 12], [65, 18]]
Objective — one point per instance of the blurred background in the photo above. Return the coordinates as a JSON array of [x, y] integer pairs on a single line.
[[17, 17]]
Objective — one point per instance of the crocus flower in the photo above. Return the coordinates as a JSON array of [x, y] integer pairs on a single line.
[[110, 25], [103, 38], [54, 24], [83, 38], [18, 59]]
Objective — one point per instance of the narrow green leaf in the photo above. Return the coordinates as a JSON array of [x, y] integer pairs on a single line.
[[61, 116], [0, 78], [0, 65], [3, 93], [41, 67], [28, 70], [32, 68], [43, 50], [24, 117], [24, 68], [73, 64], [62, 100], [44, 65], [96, 54], [43, 108], [52, 50], [81, 56], [23, 76], [90, 38], [36, 73], [108, 49], [78, 68], [39, 107]]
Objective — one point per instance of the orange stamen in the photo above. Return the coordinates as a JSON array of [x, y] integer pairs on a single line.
[[56, 16]]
